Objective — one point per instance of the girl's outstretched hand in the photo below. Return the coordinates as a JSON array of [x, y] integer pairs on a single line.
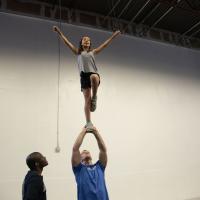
[[56, 29], [118, 32]]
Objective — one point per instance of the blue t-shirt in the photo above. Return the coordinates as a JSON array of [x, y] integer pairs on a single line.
[[90, 182]]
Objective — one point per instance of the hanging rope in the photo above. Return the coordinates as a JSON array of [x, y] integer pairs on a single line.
[[57, 149]]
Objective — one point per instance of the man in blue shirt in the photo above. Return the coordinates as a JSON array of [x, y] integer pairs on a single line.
[[90, 177]]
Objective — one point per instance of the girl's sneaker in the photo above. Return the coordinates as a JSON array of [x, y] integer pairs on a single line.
[[89, 126]]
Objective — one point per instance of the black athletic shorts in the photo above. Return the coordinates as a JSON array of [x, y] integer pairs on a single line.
[[85, 80]]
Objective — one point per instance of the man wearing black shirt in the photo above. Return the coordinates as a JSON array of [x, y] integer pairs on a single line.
[[33, 185]]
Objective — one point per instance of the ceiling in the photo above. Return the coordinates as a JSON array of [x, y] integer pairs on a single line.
[[173, 21], [179, 16]]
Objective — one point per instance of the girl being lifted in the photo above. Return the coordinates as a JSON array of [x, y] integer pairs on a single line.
[[89, 76]]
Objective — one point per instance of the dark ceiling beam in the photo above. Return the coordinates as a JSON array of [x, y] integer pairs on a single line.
[[194, 12], [193, 34], [141, 9], [165, 14], [113, 8], [162, 16], [150, 13], [191, 28], [193, 4], [125, 7], [135, 16]]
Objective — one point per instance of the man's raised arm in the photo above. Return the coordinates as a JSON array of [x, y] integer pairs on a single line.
[[76, 156]]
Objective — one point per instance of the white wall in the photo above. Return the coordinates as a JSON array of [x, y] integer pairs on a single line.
[[148, 112]]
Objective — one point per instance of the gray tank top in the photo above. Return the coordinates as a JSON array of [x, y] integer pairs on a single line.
[[86, 62]]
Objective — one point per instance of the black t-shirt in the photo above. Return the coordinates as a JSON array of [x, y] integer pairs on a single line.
[[33, 187]]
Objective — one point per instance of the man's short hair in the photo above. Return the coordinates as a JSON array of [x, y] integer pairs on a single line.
[[32, 159]]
